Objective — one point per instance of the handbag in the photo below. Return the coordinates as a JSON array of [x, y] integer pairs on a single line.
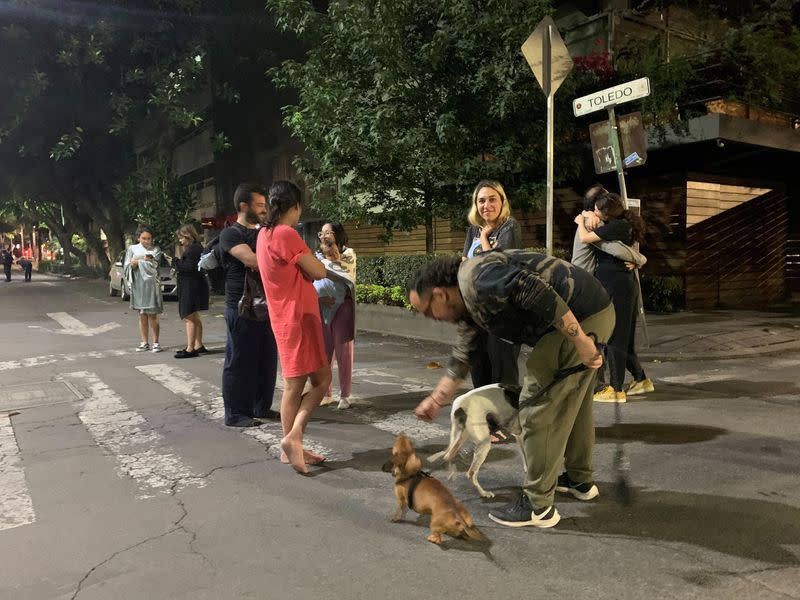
[[253, 303]]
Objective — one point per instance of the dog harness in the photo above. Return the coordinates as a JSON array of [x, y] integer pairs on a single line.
[[415, 479]]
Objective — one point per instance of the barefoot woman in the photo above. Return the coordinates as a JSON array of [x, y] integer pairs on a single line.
[[287, 267]]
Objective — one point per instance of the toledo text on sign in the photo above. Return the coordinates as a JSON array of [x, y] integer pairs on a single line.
[[633, 90]]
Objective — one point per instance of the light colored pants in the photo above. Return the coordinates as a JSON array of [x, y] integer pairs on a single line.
[[338, 346], [559, 426]]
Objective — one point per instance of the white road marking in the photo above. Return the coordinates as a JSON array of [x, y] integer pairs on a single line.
[[72, 326], [403, 422], [703, 376], [138, 448], [207, 399], [48, 359], [16, 506]]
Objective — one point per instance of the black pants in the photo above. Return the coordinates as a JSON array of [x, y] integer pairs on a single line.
[[251, 366], [494, 361], [7, 269], [621, 353], [28, 274]]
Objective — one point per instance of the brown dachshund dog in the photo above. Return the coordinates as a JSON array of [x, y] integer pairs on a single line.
[[426, 495]]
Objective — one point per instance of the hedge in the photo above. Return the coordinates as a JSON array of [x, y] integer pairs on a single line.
[[394, 270], [378, 294], [663, 293]]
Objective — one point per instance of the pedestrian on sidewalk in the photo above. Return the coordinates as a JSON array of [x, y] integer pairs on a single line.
[[140, 269], [27, 267], [550, 305], [251, 357], [619, 281], [492, 227], [192, 291], [287, 267], [340, 329], [7, 258]]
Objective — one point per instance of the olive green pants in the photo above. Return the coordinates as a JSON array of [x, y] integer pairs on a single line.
[[559, 426]]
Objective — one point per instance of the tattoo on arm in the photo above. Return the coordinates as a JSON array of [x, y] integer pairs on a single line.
[[569, 325]]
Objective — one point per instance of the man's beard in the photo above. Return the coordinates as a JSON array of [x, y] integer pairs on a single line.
[[251, 217]]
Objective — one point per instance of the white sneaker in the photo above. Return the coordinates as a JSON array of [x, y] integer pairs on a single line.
[[143, 347], [156, 347], [343, 403]]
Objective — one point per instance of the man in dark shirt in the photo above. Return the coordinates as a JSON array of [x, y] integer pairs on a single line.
[[251, 356], [546, 303]]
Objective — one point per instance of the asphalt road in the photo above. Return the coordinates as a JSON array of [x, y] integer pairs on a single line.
[[118, 480]]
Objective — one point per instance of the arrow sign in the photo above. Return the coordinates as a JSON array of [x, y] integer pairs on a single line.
[[73, 326], [552, 70]]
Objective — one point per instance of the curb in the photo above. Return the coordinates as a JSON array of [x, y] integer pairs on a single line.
[[393, 320]]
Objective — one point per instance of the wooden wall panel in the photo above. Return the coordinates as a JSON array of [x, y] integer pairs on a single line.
[[737, 258], [704, 199]]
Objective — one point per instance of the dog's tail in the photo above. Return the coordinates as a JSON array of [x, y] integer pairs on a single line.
[[471, 532], [467, 528]]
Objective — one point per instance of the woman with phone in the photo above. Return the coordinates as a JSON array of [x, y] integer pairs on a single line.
[[141, 273]]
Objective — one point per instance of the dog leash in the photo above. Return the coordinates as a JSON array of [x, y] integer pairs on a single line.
[[622, 487], [562, 374]]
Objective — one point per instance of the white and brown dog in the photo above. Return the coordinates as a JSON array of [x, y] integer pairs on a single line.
[[472, 416]]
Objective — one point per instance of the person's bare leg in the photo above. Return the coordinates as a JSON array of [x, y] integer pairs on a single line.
[[190, 332], [143, 327], [299, 414], [291, 400], [198, 331], [155, 327]]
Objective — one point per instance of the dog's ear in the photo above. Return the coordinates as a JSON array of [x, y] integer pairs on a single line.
[[413, 464]]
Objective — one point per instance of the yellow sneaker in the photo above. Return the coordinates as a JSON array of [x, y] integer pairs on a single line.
[[637, 388], [607, 394]]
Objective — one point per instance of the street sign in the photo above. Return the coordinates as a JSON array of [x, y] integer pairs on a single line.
[[550, 62], [631, 138], [633, 90], [534, 50]]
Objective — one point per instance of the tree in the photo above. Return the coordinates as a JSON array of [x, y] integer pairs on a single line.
[[74, 87], [405, 104], [153, 196]]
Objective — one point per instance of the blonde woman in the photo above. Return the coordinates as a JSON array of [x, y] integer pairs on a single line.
[[192, 291], [492, 228]]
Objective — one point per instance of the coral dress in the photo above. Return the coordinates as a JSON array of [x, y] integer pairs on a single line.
[[292, 301]]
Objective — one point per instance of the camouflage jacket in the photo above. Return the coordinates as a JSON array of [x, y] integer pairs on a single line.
[[519, 296]]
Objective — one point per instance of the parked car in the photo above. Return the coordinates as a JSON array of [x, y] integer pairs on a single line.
[[117, 284]]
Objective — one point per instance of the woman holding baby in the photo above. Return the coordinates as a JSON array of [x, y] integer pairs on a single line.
[[337, 306]]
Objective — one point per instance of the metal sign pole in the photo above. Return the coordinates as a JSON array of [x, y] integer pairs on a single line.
[[547, 88], [613, 136]]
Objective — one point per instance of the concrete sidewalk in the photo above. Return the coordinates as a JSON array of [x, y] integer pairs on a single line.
[[679, 336]]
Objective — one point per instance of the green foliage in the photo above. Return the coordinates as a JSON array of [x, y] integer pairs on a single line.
[[370, 270], [392, 270], [765, 65], [399, 270], [663, 293], [404, 105], [378, 294], [44, 266], [155, 197]]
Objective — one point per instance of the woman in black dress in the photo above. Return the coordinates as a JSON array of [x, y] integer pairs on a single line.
[[192, 291], [624, 226]]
